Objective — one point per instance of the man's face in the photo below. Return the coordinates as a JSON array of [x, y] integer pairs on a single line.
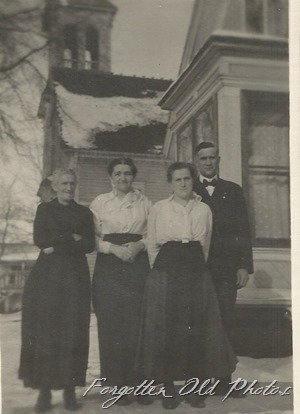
[[207, 161]]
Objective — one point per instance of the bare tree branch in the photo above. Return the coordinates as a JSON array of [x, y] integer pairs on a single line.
[[19, 13], [22, 79], [5, 230], [23, 58]]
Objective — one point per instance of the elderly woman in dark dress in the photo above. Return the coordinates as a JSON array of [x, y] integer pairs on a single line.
[[120, 272], [182, 332], [56, 301]]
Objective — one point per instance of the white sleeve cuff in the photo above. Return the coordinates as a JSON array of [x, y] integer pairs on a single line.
[[103, 246], [145, 243]]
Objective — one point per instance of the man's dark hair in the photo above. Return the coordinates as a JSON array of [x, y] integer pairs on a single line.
[[204, 145]]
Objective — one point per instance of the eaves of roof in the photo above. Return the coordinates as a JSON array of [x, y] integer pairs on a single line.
[[225, 43], [99, 84]]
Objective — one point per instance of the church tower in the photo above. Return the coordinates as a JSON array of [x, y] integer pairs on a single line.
[[91, 115], [79, 33]]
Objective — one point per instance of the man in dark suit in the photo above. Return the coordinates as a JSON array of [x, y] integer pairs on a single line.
[[230, 258]]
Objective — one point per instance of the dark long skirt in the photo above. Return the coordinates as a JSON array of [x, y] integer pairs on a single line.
[[55, 323], [118, 289], [182, 334]]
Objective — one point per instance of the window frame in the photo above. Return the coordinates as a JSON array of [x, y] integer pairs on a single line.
[[246, 98], [267, 23], [211, 102], [70, 42]]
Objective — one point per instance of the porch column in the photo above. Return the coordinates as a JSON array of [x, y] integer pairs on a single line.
[[229, 134]]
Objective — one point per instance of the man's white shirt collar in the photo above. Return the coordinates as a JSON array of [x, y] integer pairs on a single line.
[[201, 178]]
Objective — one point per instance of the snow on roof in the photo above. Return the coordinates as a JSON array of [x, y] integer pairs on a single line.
[[83, 116], [18, 231]]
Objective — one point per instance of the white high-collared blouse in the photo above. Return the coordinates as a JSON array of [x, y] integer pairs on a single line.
[[114, 215], [170, 221]]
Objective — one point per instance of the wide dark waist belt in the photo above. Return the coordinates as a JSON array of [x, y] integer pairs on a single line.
[[182, 243], [122, 238], [177, 257]]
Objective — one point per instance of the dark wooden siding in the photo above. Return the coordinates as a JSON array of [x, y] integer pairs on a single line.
[[94, 180]]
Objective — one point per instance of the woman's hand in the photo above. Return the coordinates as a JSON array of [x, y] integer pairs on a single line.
[[122, 252], [48, 250], [134, 248], [76, 237]]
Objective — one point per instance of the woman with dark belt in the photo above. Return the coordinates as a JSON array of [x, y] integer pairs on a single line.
[[120, 272], [182, 333], [56, 300]]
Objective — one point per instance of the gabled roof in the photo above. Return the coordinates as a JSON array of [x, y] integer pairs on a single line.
[[91, 103], [224, 44], [83, 116]]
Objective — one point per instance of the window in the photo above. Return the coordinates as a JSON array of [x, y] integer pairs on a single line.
[[67, 58], [87, 59], [278, 17], [201, 127], [17, 275], [254, 16], [91, 49], [12, 279], [205, 123], [70, 47], [185, 144], [266, 166], [267, 17]]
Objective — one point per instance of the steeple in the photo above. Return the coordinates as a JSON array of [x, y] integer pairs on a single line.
[[79, 31]]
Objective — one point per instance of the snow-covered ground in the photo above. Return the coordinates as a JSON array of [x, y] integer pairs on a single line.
[[18, 400]]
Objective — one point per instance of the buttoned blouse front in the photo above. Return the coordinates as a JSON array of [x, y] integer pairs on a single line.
[[115, 215], [170, 221]]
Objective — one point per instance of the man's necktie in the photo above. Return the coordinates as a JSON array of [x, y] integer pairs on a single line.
[[206, 183]]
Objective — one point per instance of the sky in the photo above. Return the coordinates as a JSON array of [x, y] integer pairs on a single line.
[[148, 36]]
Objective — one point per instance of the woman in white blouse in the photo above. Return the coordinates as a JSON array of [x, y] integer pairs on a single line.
[[182, 332], [120, 272]]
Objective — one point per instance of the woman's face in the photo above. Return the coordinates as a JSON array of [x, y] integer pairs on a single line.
[[182, 183], [122, 178], [65, 188]]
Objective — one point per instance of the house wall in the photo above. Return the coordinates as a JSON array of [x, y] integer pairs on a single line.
[[223, 78], [94, 180]]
